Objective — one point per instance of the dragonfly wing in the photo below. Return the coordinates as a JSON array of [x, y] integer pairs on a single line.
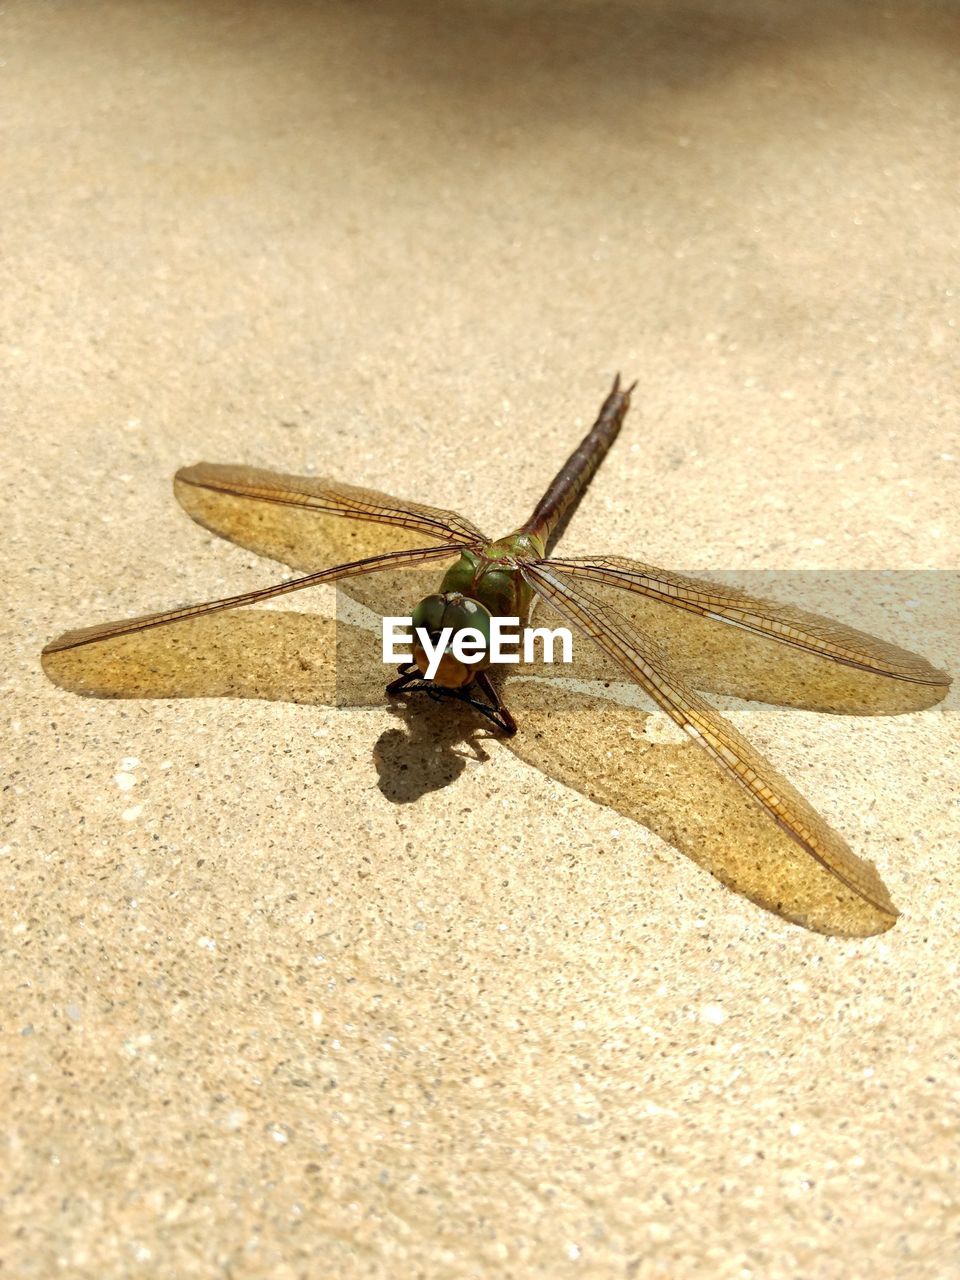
[[131, 656], [730, 642], [589, 663], [308, 522], [277, 655], [766, 842]]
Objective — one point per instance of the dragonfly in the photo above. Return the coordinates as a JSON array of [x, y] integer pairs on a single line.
[[665, 636]]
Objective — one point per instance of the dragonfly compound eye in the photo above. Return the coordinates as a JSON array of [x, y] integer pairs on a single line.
[[428, 614], [460, 613]]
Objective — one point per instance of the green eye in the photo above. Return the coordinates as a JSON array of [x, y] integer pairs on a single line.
[[464, 613], [458, 612], [429, 614], [452, 609]]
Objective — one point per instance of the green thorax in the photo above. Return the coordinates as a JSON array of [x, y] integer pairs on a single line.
[[492, 576]]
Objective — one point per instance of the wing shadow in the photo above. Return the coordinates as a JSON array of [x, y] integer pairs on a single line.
[[643, 768], [281, 656]]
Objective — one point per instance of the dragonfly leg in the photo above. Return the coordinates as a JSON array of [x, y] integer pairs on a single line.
[[501, 714], [410, 681], [407, 672]]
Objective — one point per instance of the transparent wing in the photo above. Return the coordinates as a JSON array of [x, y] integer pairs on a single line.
[[101, 632], [722, 639], [277, 655], [770, 844], [307, 522], [254, 653]]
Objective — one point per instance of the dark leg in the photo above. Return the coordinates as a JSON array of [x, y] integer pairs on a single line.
[[506, 720], [407, 672], [410, 680]]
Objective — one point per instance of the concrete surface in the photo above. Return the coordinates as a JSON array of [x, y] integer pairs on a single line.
[[270, 1012]]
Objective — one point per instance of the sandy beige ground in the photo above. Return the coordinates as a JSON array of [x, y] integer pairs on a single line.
[[263, 1017]]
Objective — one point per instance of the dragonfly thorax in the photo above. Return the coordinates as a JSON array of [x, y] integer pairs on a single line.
[[461, 614]]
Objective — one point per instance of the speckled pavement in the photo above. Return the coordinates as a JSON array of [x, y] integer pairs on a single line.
[[292, 990]]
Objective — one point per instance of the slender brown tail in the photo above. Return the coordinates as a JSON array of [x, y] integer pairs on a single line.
[[567, 487]]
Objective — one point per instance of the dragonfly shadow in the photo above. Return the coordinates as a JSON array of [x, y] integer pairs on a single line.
[[431, 749]]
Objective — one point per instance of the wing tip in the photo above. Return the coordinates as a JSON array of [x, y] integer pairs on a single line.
[[70, 640], [885, 905], [57, 645], [869, 887], [916, 668], [881, 922], [888, 917], [193, 474], [930, 689]]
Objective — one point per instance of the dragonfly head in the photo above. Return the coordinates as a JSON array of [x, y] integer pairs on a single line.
[[457, 611]]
